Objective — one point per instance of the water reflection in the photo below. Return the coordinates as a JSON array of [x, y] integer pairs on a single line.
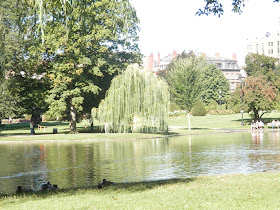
[[86, 163]]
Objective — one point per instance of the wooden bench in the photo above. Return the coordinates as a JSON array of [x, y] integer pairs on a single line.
[[40, 127], [269, 125]]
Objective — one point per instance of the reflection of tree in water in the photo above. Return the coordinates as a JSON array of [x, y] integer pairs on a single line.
[[274, 136], [87, 163]]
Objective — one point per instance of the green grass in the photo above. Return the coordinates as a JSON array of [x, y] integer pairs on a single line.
[[251, 191], [199, 125]]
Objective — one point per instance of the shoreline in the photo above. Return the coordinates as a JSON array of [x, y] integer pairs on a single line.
[[222, 131]]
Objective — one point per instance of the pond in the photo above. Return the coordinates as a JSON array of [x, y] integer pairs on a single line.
[[82, 164]]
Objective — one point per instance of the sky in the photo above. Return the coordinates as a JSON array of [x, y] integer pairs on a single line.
[[168, 25]]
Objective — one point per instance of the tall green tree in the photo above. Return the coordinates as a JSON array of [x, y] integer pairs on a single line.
[[11, 49], [84, 43], [260, 64], [213, 82], [9, 104], [136, 101], [260, 91], [259, 94], [184, 78], [263, 65]]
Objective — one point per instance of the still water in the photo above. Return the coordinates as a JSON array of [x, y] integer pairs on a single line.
[[83, 164]]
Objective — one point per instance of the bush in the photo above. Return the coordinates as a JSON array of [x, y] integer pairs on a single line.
[[199, 109], [213, 105], [178, 113], [174, 107], [27, 117], [221, 112]]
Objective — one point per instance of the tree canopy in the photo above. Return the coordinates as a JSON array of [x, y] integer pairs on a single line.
[[136, 101], [77, 47], [216, 7], [259, 94], [184, 77], [213, 82], [260, 90]]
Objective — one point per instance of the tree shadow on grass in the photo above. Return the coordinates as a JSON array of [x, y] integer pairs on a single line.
[[195, 129], [264, 119], [131, 187]]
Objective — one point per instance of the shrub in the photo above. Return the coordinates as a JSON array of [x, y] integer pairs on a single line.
[[178, 113], [27, 117], [173, 107], [199, 109], [236, 108], [213, 105], [221, 112]]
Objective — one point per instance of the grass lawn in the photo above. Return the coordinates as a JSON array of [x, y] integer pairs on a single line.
[[251, 191], [179, 126]]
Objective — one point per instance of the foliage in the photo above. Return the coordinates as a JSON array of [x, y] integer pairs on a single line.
[[184, 77], [259, 94], [31, 84], [260, 64], [213, 82], [178, 113], [84, 43], [199, 109], [173, 106], [8, 104], [9, 36], [213, 105], [259, 90], [215, 7], [221, 112], [136, 100]]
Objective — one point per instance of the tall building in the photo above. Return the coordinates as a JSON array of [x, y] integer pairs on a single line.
[[268, 44]]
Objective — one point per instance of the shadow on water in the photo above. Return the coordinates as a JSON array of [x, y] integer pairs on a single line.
[[131, 186]]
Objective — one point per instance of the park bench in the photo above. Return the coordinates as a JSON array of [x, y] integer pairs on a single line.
[[40, 127], [269, 125]]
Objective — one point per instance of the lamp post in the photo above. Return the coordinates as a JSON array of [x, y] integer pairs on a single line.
[[241, 82], [241, 77], [220, 97]]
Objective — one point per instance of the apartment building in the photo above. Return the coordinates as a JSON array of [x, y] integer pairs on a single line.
[[268, 44], [230, 69]]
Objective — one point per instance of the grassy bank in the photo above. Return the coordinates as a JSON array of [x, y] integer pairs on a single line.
[[251, 191], [178, 125]]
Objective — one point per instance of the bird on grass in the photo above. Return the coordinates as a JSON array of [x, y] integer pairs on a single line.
[[99, 186], [48, 186], [20, 190], [106, 182]]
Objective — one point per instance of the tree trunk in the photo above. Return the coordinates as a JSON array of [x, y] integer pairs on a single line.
[[73, 121], [256, 114], [91, 127]]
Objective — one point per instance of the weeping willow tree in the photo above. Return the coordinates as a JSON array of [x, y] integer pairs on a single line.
[[137, 101]]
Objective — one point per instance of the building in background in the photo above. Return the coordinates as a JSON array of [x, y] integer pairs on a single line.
[[230, 69], [268, 44], [158, 64]]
